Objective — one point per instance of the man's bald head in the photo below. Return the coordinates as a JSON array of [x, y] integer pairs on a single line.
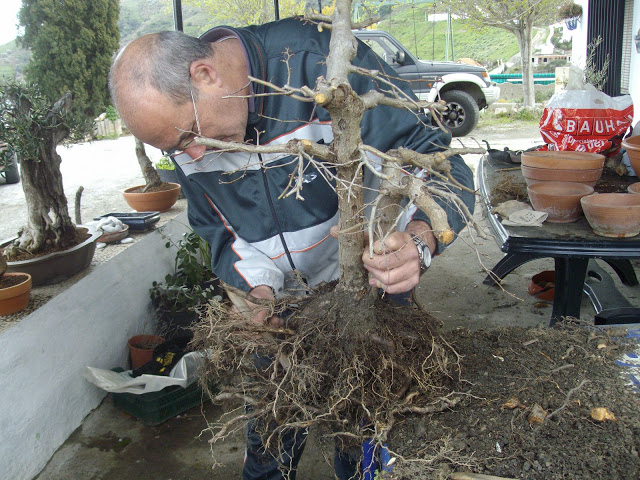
[[158, 60]]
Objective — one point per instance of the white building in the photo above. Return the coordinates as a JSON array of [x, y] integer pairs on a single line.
[[617, 22]]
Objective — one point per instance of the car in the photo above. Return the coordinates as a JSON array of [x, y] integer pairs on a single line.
[[465, 88]]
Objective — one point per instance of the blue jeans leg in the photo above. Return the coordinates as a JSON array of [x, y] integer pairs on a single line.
[[263, 465]]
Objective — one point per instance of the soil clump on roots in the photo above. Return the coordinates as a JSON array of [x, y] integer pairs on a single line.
[[514, 402]]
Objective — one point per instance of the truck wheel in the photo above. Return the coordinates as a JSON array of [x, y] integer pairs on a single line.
[[462, 113]]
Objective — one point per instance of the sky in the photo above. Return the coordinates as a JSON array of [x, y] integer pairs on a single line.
[[8, 19]]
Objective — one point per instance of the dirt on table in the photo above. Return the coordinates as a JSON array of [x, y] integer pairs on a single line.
[[505, 376]]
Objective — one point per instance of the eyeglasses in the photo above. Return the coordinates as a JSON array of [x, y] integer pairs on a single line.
[[177, 151]]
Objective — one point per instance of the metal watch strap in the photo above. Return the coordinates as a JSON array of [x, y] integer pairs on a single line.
[[424, 254]]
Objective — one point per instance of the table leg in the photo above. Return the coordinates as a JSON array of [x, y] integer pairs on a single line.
[[504, 267], [570, 275], [624, 269]]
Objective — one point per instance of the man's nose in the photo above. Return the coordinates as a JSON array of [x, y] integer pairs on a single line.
[[196, 151]]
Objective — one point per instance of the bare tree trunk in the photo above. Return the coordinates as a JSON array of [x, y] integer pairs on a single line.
[[523, 34], [346, 109], [151, 176]]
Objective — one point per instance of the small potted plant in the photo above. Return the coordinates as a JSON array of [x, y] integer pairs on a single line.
[[155, 195], [191, 285], [571, 13], [166, 170], [14, 289]]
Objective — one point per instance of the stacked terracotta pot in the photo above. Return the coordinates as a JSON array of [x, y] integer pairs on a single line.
[[558, 180], [575, 167]]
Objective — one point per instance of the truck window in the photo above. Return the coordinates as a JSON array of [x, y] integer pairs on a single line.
[[384, 48]]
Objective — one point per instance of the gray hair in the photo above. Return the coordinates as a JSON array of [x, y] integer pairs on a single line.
[[161, 60]]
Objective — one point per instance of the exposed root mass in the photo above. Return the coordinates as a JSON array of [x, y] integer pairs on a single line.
[[349, 365]]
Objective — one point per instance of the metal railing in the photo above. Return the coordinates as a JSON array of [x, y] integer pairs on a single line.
[[538, 78]]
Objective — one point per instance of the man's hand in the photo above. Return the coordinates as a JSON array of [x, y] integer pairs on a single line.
[[259, 312], [395, 266]]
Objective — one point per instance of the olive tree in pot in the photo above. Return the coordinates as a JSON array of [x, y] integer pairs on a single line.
[[154, 195], [49, 247], [191, 285]]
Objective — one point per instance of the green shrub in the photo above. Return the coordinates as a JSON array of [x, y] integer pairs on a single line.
[[165, 163], [111, 113]]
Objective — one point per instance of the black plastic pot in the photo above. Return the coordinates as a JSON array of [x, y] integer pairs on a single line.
[[176, 324], [11, 172]]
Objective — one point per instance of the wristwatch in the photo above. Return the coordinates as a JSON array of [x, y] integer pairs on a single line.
[[424, 254]]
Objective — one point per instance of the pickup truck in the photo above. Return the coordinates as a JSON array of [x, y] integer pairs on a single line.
[[466, 88]]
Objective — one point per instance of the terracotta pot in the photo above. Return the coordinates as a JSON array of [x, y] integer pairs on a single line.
[[16, 297], [542, 285], [632, 146], [141, 349], [634, 188], [613, 214], [534, 175], [58, 266], [152, 201], [561, 200], [561, 160]]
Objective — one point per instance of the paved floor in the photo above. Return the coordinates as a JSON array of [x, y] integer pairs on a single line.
[[111, 445]]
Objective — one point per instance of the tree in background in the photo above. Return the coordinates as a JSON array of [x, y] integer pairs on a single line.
[[72, 44], [515, 16], [248, 12]]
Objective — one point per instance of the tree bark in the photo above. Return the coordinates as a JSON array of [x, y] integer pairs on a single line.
[[48, 220], [151, 176], [346, 109], [523, 34]]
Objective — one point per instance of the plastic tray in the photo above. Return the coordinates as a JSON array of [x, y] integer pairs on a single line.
[[153, 408], [136, 220]]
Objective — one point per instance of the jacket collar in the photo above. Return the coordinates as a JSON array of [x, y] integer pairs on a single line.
[[255, 56]]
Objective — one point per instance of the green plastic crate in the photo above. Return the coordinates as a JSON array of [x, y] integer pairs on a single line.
[[153, 408]]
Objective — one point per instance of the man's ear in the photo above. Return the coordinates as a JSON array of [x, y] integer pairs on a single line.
[[204, 75]]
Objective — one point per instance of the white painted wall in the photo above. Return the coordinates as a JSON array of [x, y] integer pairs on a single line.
[[634, 80], [43, 397], [579, 52], [579, 35]]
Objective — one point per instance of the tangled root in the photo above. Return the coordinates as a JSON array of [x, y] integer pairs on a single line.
[[350, 365]]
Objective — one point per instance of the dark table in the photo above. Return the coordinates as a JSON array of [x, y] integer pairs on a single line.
[[571, 245]]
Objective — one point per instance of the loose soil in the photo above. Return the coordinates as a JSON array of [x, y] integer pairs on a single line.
[[7, 281], [504, 373], [164, 186]]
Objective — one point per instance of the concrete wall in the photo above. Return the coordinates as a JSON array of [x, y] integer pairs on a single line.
[[43, 397]]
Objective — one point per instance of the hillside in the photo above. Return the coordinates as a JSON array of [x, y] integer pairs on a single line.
[[486, 46], [410, 25], [12, 60], [138, 17]]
